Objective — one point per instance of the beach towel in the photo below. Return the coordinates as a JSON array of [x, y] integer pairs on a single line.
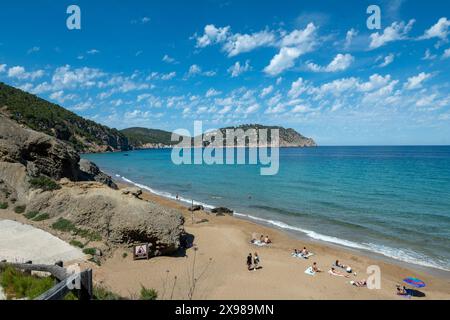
[[301, 256], [259, 243], [310, 271]]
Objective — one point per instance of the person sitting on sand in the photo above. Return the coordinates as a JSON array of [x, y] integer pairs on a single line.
[[267, 240], [304, 252], [256, 261], [359, 284], [249, 261], [343, 266], [295, 253], [261, 239], [315, 268], [336, 273]]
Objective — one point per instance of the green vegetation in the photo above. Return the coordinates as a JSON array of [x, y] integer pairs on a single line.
[[44, 183], [148, 294], [102, 293], [3, 205], [90, 251], [20, 209], [18, 285], [141, 136], [31, 214], [43, 116], [42, 217], [124, 255], [77, 243], [65, 225]]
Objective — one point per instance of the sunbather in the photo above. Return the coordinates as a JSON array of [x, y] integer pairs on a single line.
[[402, 291], [336, 273], [315, 268], [362, 283], [343, 266], [267, 240], [304, 252]]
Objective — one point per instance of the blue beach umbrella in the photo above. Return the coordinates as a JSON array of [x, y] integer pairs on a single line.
[[415, 282]]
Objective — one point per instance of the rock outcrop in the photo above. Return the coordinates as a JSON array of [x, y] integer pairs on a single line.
[[85, 196]]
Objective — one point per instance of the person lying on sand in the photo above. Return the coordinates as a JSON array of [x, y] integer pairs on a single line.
[[401, 290], [359, 284], [249, 261], [315, 268], [343, 266], [336, 273]]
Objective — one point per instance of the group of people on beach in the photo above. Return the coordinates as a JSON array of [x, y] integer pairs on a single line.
[[262, 240]]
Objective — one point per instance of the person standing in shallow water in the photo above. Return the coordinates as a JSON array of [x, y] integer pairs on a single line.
[[249, 261]]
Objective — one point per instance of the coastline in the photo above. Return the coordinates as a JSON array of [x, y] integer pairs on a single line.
[[214, 237]]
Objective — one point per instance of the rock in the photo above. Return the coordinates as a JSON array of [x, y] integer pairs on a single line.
[[136, 192], [90, 172], [196, 208], [222, 211], [98, 252]]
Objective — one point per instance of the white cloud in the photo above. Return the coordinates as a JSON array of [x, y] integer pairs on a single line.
[[93, 51], [237, 69], [446, 54], [194, 70], [352, 33], [66, 77], [439, 30], [33, 50], [169, 59], [169, 76], [303, 39], [340, 63], [3, 68], [282, 61], [416, 81], [396, 31], [212, 35], [20, 73], [297, 88], [212, 93], [60, 97], [428, 55], [266, 91], [240, 43], [145, 20], [387, 60]]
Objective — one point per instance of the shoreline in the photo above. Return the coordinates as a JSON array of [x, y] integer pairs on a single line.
[[289, 230]]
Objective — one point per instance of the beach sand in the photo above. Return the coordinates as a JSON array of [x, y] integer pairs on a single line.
[[219, 265]]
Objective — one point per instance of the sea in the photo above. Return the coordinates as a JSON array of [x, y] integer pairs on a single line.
[[390, 200]]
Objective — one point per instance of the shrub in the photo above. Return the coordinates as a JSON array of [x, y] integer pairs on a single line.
[[124, 255], [64, 225], [90, 235], [3, 205], [148, 294], [76, 243], [31, 214], [20, 209], [44, 183], [42, 217], [19, 285], [102, 293]]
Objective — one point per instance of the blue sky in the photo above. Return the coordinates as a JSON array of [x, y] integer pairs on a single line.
[[310, 65]]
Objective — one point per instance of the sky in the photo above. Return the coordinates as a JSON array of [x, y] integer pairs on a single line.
[[314, 66]]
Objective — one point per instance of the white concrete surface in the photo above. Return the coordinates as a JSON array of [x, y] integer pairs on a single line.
[[20, 242]]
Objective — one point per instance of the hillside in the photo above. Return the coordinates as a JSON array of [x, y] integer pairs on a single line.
[[148, 138], [40, 115], [142, 138]]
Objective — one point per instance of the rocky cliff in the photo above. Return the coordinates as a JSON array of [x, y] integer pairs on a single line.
[[45, 175]]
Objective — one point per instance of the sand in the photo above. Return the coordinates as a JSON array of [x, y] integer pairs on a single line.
[[20, 242], [218, 262]]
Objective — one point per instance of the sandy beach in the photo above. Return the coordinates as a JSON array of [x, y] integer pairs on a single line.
[[217, 262]]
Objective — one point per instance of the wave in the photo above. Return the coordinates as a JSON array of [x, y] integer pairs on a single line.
[[404, 255]]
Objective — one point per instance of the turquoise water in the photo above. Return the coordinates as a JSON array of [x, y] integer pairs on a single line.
[[391, 200]]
